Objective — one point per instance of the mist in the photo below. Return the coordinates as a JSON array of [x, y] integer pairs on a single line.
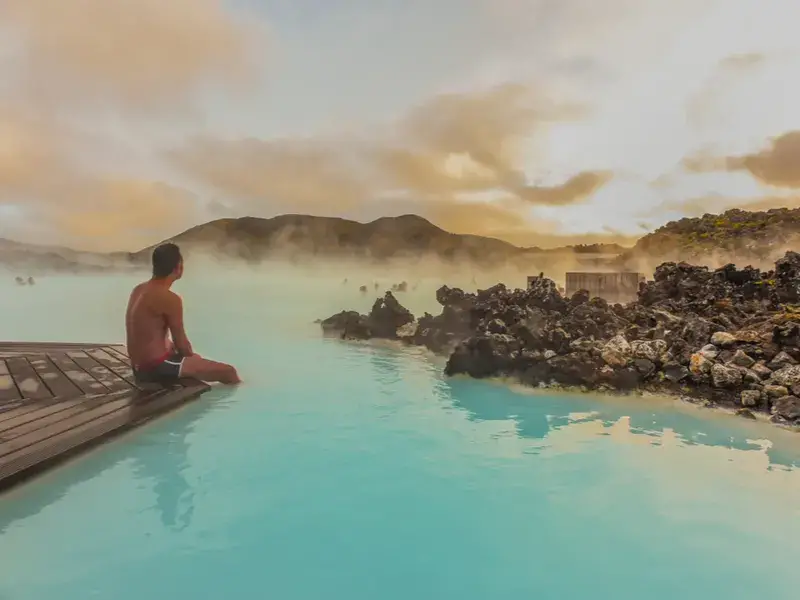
[[270, 298]]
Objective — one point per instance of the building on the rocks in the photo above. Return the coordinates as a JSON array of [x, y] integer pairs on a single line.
[[611, 286]]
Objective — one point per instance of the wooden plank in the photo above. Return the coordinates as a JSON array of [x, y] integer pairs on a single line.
[[62, 426], [82, 379], [8, 389], [28, 382], [48, 413], [123, 356], [113, 364], [156, 404], [39, 410], [109, 379], [119, 355], [40, 419], [85, 430], [24, 407], [44, 346], [80, 431], [59, 384], [121, 349]]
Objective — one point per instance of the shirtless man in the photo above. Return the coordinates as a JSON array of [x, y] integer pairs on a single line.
[[154, 311]]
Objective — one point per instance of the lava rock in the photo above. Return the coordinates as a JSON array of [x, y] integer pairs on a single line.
[[724, 376], [725, 336], [750, 398]]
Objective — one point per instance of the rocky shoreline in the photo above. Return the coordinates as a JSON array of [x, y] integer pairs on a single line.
[[727, 337]]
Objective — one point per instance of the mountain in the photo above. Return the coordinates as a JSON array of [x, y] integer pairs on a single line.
[[406, 237], [302, 237], [737, 236], [29, 259]]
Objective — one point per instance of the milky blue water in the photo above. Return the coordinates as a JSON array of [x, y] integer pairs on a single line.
[[359, 472]]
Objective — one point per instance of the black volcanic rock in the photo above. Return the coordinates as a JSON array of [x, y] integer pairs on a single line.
[[728, 336], [384, 321], [388, 316]]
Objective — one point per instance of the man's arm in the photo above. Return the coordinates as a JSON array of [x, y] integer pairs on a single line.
[[174, 313]]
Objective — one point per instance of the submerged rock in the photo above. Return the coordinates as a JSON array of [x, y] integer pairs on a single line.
[[746, 413], [787, 408]]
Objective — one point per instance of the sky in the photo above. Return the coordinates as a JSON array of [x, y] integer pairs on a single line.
[[542, 122]]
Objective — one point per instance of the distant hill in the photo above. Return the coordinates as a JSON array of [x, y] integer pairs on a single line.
[[29, 259], [737, 236], [403, 237]]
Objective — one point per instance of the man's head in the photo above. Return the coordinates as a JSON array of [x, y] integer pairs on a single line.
[[167, 262]]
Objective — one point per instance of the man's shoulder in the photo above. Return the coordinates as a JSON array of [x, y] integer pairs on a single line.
[[168, 297], [155, 293], [137, 290]]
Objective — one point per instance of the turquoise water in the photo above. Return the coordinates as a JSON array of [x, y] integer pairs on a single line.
[[357, 472]]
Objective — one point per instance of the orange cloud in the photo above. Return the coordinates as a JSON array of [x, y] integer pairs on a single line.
[[575, 189], [132, 53], [108, 214], [777, 165], [717, 203], [289, 175], [743, 61], [442, 151], [40, 174]]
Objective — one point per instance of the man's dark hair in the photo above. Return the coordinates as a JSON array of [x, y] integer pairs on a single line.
[[166, 258]]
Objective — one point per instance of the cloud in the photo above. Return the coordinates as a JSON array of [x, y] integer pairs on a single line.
[[90, 83], [285, 174], [127, 53], [437, 158], [109, 214], [25, 151], [458, 143], [730, 74], [42, 177], [718, 203], [506, 220], [777, 165], [576, 189], [744, 61], [72, 68]]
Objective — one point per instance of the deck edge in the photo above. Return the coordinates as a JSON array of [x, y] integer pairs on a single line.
[[139, 413]]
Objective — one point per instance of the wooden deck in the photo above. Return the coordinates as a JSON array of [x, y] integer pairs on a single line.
[[58, 399]]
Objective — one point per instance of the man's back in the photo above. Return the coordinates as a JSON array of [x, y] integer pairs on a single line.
[[146, 323]]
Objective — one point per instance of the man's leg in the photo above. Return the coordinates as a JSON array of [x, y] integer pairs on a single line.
[[208, 370]]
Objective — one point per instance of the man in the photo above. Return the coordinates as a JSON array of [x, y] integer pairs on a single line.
[[154, 311]]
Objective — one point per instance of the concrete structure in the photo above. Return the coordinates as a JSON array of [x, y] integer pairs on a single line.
[[611, 286]]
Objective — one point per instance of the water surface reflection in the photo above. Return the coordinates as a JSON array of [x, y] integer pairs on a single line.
[[155, 463], [538, 415]]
